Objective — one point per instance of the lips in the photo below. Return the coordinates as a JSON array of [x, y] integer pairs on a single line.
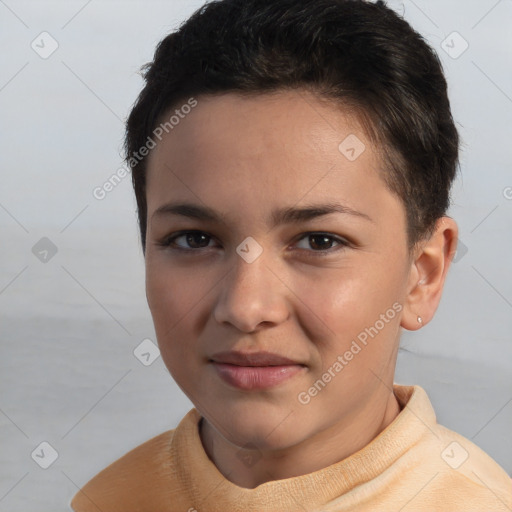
[[255, 371], [253, 359]]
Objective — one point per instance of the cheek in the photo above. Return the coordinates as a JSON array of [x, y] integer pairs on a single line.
[[162, 292], [172, 292], [353, 305], [171, 299], [175, 299], [344, 300]]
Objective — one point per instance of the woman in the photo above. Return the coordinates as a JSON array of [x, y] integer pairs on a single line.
[[292, 163]]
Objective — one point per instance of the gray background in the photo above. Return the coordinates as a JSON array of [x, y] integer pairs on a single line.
[[69, 326]]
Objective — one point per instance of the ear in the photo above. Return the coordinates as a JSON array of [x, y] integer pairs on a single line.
[[429, 267]]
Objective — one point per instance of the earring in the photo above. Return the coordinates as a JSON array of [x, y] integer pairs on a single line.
[[420, 320]]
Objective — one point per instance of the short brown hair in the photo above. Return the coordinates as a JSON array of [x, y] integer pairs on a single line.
[[352, 52]]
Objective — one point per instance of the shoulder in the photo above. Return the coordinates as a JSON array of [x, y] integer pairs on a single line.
[[460, 474], [474, 466], [455, 472], [121, 484]]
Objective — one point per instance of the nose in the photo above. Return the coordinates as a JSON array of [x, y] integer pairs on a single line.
[[252, 296]]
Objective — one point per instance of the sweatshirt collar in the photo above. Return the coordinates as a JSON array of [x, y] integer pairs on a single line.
[[207, 486]]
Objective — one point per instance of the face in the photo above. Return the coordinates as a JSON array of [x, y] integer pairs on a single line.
[[291, 244]]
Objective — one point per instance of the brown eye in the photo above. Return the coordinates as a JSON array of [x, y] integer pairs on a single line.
[[190, 240], [197, 240], [322, 242]]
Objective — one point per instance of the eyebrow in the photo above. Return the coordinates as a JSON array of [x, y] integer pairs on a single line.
[[287, 215]]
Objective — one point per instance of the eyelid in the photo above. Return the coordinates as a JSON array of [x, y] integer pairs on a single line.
[[342, 242], [168, 240], [339, 238]]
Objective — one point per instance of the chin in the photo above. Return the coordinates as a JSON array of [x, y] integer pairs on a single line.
[[268, 427]]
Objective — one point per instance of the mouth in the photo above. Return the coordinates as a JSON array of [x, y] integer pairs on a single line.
[[252, 371], [253, 359]]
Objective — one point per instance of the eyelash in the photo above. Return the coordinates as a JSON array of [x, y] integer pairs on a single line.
[[169, 241]]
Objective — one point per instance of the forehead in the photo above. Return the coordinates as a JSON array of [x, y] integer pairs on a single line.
[[285, 145], [296, 119]]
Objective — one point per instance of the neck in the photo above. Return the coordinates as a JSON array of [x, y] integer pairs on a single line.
[[323, 449]]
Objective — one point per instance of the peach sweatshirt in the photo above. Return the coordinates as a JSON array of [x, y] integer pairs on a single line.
[[414, 464]]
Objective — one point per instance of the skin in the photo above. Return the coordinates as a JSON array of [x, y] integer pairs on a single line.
[[243, 158]]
